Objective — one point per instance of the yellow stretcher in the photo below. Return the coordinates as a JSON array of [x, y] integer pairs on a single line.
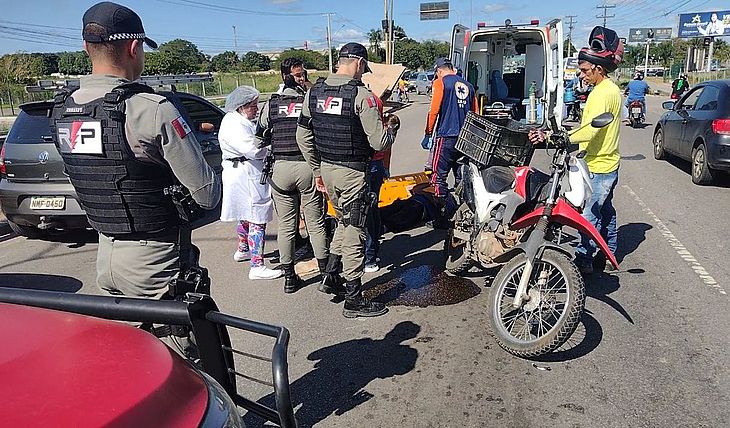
[[397, 187]]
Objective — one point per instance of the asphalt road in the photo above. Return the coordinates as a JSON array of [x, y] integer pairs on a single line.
[[652, 348]]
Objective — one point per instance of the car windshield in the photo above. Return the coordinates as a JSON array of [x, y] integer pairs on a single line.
[[431, 76]]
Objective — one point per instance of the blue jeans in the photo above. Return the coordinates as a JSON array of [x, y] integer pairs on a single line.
[[601, 213], [373, 224], [444, 161]]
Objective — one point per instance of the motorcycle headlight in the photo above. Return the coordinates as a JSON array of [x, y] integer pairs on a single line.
[[222, 411]]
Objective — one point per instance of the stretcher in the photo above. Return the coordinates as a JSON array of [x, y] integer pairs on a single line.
[[399, 187]]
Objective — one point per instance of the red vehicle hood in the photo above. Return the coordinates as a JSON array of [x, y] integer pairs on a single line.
[[65, 369]]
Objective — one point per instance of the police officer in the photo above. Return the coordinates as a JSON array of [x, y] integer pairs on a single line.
[[123, 147], [339, 128], [292, 180]]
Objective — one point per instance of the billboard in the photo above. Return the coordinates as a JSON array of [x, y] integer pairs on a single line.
[[643, 34], [704, 24], [434, 10]]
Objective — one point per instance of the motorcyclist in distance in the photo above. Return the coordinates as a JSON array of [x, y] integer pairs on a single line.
[[636, 90]]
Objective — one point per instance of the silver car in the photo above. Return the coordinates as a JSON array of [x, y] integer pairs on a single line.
[[424, 81], [35, 192]]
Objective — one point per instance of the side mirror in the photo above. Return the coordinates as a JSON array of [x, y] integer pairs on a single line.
[[668, 105], [206, 127], [602, 120]]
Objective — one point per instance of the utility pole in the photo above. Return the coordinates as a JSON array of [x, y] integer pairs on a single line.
[[646, 59], [570, 33], [390, 33], [710, 51], [235, 50], [329, 40], [386, 33], [605, 8]]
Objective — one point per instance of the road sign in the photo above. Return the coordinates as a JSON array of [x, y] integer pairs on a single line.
[[640, 35], [434, 10], [704, 24]]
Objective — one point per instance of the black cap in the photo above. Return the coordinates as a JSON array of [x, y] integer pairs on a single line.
[[442, 62], [356, 50], [119, 23]]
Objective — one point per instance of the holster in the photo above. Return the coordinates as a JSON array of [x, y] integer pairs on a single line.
[[356, 212]]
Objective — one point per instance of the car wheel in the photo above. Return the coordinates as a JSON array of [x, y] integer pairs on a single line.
[[701, 172], [27, 231], [659, 152]]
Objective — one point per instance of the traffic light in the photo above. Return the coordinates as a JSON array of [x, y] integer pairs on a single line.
[[707, 41], [650, 34]]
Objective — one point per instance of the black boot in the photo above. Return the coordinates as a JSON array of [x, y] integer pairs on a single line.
[[358, 306], [292, 282], [331, 279]]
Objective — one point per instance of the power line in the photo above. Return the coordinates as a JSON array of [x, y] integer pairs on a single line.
[[208, 6]]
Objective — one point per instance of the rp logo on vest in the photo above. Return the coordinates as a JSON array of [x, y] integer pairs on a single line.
[[80, 137], [330, 105], [292, 110]]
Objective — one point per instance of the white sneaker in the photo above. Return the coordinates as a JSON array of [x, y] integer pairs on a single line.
[[241, 256], [262, 272], [370, 268]]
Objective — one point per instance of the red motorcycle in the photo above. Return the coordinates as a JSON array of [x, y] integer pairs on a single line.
[[514, 217], [636, 113]]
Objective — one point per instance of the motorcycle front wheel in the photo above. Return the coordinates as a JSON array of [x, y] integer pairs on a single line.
[[549, 317]]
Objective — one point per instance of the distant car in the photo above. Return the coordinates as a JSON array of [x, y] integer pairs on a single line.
[[424, 81], [35, 192], [697, 128], [95, 372], [412, 81]]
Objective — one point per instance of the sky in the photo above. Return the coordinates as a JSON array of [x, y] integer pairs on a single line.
[[274, 25]]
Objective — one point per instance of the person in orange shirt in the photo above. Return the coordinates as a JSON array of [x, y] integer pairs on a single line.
[[452, 98]]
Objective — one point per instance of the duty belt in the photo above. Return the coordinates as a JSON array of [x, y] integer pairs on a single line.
[[357, 166]]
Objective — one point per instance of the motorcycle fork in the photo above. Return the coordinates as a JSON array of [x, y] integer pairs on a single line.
[[536, 240]]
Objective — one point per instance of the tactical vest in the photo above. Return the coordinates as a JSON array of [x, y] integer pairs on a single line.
[[283, 114], [338, 133], [120, 194]]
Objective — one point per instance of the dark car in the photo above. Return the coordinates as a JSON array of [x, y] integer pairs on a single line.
[[697, 128], [35, 192], [64, 365]]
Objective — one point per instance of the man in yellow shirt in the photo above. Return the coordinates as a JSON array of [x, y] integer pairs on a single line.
[[601, 144]]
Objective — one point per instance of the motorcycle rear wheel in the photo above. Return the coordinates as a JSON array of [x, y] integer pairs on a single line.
[[549, 317], [458, 251]]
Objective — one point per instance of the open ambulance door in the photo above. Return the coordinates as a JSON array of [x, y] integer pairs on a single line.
[[458, 46], [555, 70]]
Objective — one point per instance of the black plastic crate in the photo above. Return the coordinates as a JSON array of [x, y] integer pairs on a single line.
[[491, 142]]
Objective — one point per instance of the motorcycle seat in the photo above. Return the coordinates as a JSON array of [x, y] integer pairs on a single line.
[[497, 179]]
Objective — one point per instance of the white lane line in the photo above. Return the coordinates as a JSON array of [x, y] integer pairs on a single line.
[[677, 245]]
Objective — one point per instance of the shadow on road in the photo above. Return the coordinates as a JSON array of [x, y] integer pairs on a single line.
[[36, 281], [600, 285], [584, 340], [630, 237], [721, 180], [343, 371]]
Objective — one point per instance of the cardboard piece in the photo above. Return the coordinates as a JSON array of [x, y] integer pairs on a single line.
[[384, 78]]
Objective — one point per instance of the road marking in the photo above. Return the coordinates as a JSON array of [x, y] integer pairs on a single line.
[[677, 245]]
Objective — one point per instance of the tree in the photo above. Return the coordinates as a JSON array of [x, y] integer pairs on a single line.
[[375, 52], [225, 62], [254, 61], [409, 53], [181, 56], [164, 63], [74, 63]]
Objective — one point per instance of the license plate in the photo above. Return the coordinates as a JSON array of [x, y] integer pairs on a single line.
[[47, 202], [636, 110]]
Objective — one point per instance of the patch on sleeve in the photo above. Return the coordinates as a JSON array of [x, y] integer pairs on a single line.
[[372, 102], [181, 127]]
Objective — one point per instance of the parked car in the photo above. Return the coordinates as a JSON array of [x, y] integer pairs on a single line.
[[412, 76], [424, 80], [35, 192], [697, 128], [93, 372]]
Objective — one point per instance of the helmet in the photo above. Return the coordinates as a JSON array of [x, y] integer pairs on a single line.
[[639, 75], [605, 49]]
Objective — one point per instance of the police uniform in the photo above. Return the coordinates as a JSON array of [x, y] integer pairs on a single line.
[[339, 129], [292, 183], [122, 146]]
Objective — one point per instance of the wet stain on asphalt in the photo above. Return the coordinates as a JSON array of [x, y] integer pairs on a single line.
[[423, 286]]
